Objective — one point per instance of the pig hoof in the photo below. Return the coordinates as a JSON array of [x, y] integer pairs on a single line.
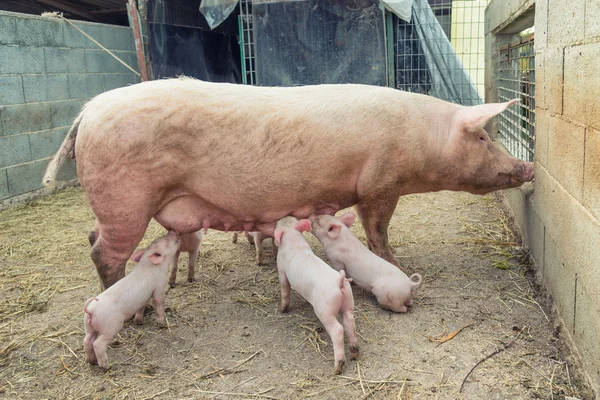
[[339, 367], [171, 285], [138, 321], [190, 280], [353, 352], [161, 324], [283, 309]]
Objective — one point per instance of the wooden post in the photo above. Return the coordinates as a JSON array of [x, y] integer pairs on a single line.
[[139, 48]]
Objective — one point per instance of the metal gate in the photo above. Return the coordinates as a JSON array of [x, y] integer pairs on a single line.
[[516, 79]]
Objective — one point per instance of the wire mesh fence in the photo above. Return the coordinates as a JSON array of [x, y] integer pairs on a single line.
[[516, 80], [247, 43]]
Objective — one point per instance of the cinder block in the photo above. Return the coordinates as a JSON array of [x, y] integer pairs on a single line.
[[21, 60], [110, 36], [8, 30], [541, 24], [553, 79], [120, 38], [64, 112], [591, 173], [39, 32], [566, 146], [113, 81], [3, 185], [536, 239], [26, 177], [540, 83], [592, 16], [11, 90], [85, 85], [45, 88], [24, 118], [99, 61], [574, 229], [559, 278], [582, 84], [46, 143], [587, 328], [14, 150], [541, 136], [565, 23], [62, 60]]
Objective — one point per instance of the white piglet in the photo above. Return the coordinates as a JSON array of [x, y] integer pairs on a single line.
[[392, 287], [106, 313], [256, 239], [328, 291]]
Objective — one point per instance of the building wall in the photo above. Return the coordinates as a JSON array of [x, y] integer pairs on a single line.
[[560, 218], [47, 71]]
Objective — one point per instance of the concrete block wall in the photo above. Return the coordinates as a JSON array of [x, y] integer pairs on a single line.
[[560, 215], [48, 70]]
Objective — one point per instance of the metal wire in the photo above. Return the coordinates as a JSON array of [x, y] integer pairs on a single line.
[[516, 80]]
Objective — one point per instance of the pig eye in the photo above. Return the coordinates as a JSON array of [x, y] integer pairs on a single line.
[[482, 138]]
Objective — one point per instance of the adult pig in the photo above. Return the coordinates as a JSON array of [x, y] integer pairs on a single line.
[[170, 149]]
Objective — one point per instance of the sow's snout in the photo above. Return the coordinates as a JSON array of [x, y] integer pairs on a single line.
[[523, 172]]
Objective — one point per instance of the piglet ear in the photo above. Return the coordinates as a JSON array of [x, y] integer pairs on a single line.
[[303, 225], [155, 258], [348, 219], [333, 230], [137, 255], [474, 118], [278, 234]]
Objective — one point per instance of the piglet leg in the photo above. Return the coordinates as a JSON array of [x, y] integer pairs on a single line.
[[100, 346], [192, 264], [350, 329], [336, 332], [139, 316], [88, 346], [173, 271], [159, 308], [285, 293], [258, 243]]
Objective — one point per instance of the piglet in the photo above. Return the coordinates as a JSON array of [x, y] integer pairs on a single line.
[[190, 243], [105, 314], [328, 291], [391, 286], [257, 238]]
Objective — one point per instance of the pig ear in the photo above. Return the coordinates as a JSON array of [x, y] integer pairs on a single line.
[[474, 118], [303, 225], [333, 230], [155, 258], [348, 219], [137, 255], [278, 234]]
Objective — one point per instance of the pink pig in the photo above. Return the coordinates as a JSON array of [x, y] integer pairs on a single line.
[[190, 243], [390, 285], [257, 238], [105, 314], [328, 291]]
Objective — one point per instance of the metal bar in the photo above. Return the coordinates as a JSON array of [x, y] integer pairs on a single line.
[[242, 50], [139, 50], [389, 39]]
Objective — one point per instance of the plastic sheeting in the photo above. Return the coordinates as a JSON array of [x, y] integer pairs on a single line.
[[217, 11], [449, 79], [402, 8], [181, 42], [316, 41]]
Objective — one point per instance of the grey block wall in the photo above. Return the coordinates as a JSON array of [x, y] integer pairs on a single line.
[[560, 217], [48, 70]]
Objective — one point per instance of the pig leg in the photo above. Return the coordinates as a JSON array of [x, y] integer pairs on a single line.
[[159, 308], [285, 293], [88, 341], [113, 246], [336, 333], [250, 237], [173, 271], [350, 329], [375, 217], [94, 234], [192, 264]]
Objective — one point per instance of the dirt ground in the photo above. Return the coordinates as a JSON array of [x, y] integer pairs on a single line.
[[225, 338]]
